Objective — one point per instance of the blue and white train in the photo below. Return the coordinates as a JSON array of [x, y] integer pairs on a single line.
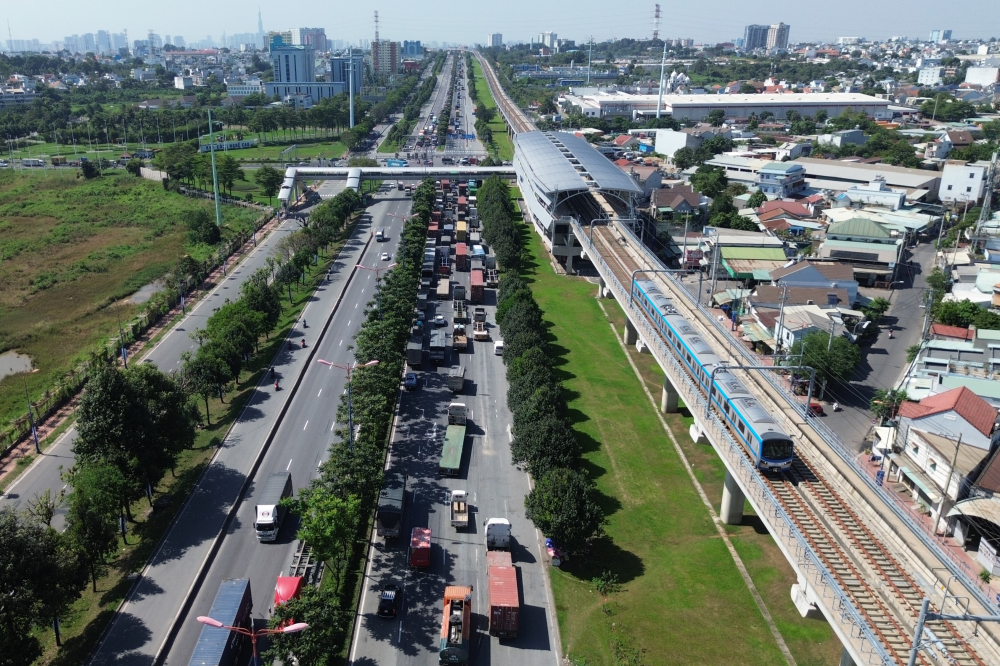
[[751, 425]]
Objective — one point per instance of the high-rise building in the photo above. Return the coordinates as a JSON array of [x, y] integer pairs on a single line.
[[166, 40], [946, 35], [89, 45], [412, 49], [755, 37], [777, 37], [314, 37], [292, 63], [103, 41], [386, 56], [548, 39], [155, 41], [178, 41], [341, 72], [495, 40], [286, 37], [118, 42], [935, 36]]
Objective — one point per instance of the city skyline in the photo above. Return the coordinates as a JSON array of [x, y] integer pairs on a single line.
[[422, 20]]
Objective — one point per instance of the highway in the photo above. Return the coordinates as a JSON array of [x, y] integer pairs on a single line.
[[300, 444], [142, 628], [45, 472], [496, 489]]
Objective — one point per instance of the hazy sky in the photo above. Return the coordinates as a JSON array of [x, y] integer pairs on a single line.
[[470, 22]]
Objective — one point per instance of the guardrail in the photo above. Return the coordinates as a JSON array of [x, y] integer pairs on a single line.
[[841, 609], [956, 568]]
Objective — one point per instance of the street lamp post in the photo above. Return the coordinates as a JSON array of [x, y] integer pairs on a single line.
[[290, 629], [121, 339], [350, 406], [378, 283]]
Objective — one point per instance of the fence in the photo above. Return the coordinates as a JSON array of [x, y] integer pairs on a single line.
[[154, 310]]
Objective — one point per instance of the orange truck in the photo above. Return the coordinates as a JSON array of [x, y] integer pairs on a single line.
[[456, 625]]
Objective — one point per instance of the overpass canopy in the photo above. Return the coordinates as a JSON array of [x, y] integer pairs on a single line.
[[355, 175]]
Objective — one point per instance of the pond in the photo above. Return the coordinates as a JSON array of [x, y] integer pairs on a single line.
[[12, 363]]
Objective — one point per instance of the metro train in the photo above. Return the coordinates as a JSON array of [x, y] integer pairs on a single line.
[[769, 446]]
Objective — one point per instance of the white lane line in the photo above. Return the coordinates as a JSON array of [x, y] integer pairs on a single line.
[[399, 639], [306, 425], [340, 343], [289, 465], [333, 426], [320, 393], [348, 322]]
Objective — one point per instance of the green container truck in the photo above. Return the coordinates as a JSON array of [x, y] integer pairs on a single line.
[[451, 452]]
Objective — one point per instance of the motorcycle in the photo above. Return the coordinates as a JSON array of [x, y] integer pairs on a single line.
[[303, 344]]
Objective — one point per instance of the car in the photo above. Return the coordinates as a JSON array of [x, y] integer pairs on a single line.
[[390, 598], [439, 320], [498, 347], [410, 381], [816, 409], [385, 256]]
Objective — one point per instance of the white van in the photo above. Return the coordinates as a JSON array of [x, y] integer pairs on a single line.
[[498, 347]]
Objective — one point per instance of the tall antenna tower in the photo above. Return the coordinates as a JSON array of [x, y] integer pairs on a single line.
[[376, 25], [656, 23]]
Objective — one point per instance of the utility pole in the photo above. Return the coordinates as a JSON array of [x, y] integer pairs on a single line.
[[215, 174], [663, 67], [781, 320], [590, 59], [350, 82], [833, 327], [684, 247], [925, 615]]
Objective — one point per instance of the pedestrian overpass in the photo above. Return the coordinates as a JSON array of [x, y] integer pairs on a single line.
[[296, 176]]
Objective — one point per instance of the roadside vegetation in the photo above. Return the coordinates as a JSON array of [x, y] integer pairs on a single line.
[[480, 92], [143, 442]]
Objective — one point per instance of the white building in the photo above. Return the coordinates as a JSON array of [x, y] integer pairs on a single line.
[[929, 76], [183, 82], [982, 76], [244, 88], [144, 74], [961, 182], [494, 40]]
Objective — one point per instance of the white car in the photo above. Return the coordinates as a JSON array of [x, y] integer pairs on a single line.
[[385, 256], [498, 347], [439, 320]]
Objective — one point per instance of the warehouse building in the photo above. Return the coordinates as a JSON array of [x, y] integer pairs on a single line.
[[599, 103]]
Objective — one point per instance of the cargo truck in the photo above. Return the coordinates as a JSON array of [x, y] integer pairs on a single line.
[[461, 257], [420, 547], [504, 599], [492, 278], [480, 314], [444, 288], [389, 516], [456, 379], [421, 300], [497, 534], [456, 625], [457, 413], [458, 292], [461, 229], [439, 345], [218, 646], [476, 286], [479, 331], [452, 450], [459, 339], [415, 351], [269, 513], [459, 509], [461, 312]]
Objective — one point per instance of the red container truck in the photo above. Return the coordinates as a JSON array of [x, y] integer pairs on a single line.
[[463, 205], [476, 286], [446, 186], [504, 600], [420, 547], [461, 257], [433, 230]]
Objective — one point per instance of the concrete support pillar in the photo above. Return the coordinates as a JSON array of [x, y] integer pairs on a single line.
[[569, 264], [846, 659], [669, 398], [630, 333], [804, 603], [732, 501], [697, 434], [602, 288], [642, 347]]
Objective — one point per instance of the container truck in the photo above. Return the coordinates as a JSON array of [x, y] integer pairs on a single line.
[[421, 300], [479, 331], [269, 513], [476, 286], [389, 516], [461, 257], [446, 239], [439, 345], [504, 599], [492, 278], [480, 314], [459, 509], [457, 413], [456, 379], [456, 625], [459, 340], [497, 534], [446, 186], [219, 646], [463, 204], [443, 289], [420, 547], [444, 266], [461, 231], [452, 450], [461, 312]]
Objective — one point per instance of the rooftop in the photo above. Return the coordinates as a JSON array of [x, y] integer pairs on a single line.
[[831, 270], [560, 161], [976, 411]]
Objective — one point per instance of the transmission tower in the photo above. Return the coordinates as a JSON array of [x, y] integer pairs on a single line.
[[656, 23], [376, 26]]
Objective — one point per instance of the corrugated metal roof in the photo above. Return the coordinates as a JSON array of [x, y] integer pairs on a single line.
[[769, 253], [858, 227], [563, 162]]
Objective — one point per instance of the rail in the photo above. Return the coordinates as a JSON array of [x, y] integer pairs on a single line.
[[955, 567], [842, 610], [512, 115]]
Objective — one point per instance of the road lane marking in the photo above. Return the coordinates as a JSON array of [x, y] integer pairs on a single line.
[[289, 465], [399, 638], [333, 426], [320, 393], [306, 425]]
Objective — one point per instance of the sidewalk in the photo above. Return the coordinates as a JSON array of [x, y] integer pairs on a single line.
[[144, 622]]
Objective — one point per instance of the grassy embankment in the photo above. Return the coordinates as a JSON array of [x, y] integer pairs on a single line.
[[682, 599], [72, 248], [90, 615], [505, 149]]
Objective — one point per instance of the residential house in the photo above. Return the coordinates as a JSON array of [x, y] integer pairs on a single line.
[[677, 203], [649, 178], [960, 138], [963, 182], [876, 193], [981, 291], [958, 412], [873, 251], [851, 137], [791, 150], [626, 141], [827, 275], [781, 179], [795, 322], [751, 263], [667, 141]]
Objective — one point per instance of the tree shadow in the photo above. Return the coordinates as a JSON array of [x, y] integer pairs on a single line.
[[126, 636], [605, 555]]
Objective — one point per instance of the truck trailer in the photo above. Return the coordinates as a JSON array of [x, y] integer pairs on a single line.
[[439, 345], [476, 286], [218, 646], [452, 450], [420, 547], [504, 599], [269, 513], [459, 509], [415, 351], [389, 516]]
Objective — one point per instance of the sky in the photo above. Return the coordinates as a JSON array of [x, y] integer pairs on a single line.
[[517, 20]]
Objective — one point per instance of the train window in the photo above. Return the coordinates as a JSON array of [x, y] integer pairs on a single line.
[[742, 428]]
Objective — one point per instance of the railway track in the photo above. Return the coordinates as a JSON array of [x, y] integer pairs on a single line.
[[879, 586], [515, 118]]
